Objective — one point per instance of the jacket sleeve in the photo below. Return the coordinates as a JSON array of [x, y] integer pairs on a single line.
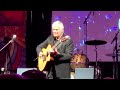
[[42, 45]]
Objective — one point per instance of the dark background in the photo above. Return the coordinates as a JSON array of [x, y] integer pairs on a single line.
[[37, 32]]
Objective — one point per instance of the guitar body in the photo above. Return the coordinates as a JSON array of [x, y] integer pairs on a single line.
[[42, 60]]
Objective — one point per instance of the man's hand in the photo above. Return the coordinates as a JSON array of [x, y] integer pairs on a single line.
[[40, 54], [56, 51], [51, 58]]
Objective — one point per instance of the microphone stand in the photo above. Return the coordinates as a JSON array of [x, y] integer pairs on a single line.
[[6, 45], [116, 68], [85, 23], [6, 69]]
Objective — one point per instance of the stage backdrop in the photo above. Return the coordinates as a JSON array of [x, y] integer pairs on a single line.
[[101, 25], [13, 22]]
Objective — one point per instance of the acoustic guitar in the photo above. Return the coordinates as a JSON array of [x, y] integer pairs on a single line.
[[46, 53]]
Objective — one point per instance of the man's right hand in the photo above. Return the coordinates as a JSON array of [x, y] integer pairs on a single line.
[[40, 54], [51, 58]]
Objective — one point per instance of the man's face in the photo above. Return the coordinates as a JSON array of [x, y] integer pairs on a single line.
[[56, 31]]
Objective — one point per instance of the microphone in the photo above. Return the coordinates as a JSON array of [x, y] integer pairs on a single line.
[[13, 38]]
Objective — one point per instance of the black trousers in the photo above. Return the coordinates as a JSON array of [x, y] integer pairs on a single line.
[[59, 71]]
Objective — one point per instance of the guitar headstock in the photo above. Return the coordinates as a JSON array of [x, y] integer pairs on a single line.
[[65, 38]]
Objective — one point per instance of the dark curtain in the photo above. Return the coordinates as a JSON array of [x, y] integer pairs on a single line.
[[37, 31]]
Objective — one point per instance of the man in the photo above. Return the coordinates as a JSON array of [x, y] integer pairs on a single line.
[[60, 60]]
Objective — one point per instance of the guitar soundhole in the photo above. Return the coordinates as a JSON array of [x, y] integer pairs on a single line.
[[44, 57], [47, 53]]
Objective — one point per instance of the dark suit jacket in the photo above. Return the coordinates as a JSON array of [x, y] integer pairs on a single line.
[[61, 67]]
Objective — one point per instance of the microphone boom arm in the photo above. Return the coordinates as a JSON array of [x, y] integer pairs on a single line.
[[6, 45], [115, 37]]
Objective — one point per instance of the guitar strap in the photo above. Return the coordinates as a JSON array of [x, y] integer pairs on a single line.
[[58, 44]]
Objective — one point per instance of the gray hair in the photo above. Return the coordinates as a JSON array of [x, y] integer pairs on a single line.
[[58, 23]]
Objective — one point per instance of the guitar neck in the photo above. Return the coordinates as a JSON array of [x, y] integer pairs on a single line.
[[56, 44], [61, 39]]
